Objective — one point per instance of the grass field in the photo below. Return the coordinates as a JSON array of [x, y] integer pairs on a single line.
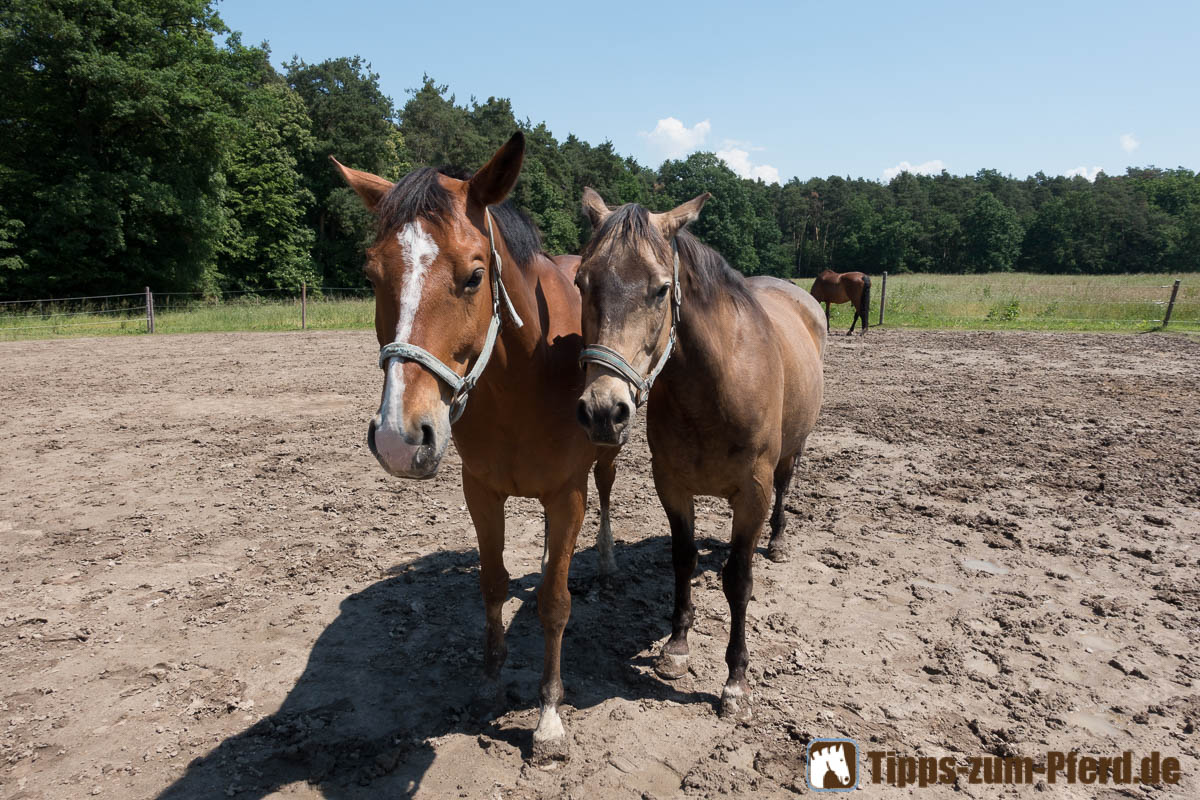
[[243, 314], [1028, 301], [998, 301]]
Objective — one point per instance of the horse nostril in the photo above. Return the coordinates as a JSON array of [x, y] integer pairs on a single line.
[[427, 435], [621, 414], [581, 414], [371, 438]]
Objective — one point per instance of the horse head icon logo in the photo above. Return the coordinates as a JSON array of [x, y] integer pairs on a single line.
[[832, 765]]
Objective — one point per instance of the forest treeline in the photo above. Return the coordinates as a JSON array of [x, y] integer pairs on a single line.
[[143, 143]]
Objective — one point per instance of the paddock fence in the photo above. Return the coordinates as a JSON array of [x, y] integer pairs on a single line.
[[998, 301], [987, 301], [148, 312]]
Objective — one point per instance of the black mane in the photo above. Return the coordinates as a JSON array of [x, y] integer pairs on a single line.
[[419, 194], [708, 275]]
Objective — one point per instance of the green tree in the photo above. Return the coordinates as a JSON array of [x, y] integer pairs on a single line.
[[267, 241], [114, 128], [353, 121], [992, 236]]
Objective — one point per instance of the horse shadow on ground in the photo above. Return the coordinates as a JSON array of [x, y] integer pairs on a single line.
[[402, 662]]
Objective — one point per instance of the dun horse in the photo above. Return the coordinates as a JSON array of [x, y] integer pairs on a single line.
[[738, 363], [844, 287], [461, 284]]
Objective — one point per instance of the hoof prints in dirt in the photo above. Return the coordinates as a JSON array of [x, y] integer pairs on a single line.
[[210, 590]]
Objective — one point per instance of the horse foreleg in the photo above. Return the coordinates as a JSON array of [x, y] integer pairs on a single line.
[[605, 473], [749, 511], [777, 548], [564, 516], [673, 661], [827, 316], [487, 513]]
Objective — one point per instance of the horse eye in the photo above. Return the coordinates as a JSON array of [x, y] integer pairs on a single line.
[[475, 279], [662, 291]]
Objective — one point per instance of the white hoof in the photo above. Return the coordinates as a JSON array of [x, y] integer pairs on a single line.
[[550, 738]]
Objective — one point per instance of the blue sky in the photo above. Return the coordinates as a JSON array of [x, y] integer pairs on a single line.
[[783, 89]]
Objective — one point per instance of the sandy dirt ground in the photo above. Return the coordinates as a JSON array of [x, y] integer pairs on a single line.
[[209, 589]]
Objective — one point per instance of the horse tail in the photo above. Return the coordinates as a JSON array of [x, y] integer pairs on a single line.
[[866, 300]]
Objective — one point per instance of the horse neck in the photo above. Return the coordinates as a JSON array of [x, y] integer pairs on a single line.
[[698, 355]]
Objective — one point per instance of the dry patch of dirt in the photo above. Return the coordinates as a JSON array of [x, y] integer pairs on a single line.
[[209, 589]]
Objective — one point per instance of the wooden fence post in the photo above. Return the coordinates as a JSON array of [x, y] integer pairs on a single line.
[[149, 311], [303, 305], [1171, 303], [882, 297]]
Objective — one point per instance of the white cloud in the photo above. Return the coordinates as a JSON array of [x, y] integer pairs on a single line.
[[738, 160], [674, 140], [928, 168], [1084, 172], [1129, 143]]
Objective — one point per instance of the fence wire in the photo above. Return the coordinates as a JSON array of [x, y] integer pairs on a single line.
[[56, 314]]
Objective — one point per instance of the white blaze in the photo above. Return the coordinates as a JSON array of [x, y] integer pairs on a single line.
[[419, 250]]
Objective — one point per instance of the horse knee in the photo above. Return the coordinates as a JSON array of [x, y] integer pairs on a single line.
[[554, 609]]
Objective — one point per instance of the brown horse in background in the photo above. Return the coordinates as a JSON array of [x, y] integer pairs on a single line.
[[739, 388], [440, 296], [844, 287]]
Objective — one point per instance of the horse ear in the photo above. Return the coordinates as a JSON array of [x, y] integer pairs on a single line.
[[370, 188], [670, 222], [594, 207], [498, 177]]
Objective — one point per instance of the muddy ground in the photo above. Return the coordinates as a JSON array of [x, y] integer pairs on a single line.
[[209, 589]]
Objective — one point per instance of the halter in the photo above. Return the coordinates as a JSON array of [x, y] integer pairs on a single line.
[[461, 386], [613, 361]]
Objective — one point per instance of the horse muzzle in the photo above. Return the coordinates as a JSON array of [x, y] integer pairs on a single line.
[[413, 453], [606, 414]]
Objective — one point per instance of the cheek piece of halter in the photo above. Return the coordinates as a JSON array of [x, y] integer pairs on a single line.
[[461, 386], [614, 362]]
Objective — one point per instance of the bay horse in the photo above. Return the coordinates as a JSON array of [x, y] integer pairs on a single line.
[[468, 306], [732, 370], [844, 287]]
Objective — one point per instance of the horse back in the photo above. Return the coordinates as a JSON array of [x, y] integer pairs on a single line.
[[792, 310]]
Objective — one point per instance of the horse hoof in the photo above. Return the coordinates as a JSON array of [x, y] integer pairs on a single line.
[[779, 553], [551, 750], [671, 666], [735, 704], [546, 751], [488, 700], [550, 739], [610, 580]]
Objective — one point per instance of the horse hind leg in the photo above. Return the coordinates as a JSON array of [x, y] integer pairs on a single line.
[[737, 579], [672, 662], [605, 472], [777, 548]]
